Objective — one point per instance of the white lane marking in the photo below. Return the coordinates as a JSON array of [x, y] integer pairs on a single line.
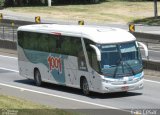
[[151, 50], [8, 57], [151, 60], [9, 69], [67, 98], [151, 81]]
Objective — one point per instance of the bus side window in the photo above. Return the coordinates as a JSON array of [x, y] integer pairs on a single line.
[[58, 41], [66, 46], [80, 54], [92, 57], [20, 38], [72, 46], [93, 60], [52, 44], [43, 42]]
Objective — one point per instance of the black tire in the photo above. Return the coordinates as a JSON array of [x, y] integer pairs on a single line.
[[37, 78], [85, 87]]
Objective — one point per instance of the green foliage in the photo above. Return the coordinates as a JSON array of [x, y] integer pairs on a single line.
[[152, 21], [11, 3], [16, 106], [1, 2], [132, 0]]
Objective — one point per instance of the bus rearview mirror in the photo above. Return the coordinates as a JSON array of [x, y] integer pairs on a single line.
[[98, 53], [145, 48]]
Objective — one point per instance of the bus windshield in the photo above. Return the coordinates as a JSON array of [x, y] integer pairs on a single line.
[[120, 60]]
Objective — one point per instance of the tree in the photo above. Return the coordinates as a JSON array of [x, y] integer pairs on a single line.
[[155, 8], [49, 2], [34, 2], [94, 1], [20, 2], [9, 3]]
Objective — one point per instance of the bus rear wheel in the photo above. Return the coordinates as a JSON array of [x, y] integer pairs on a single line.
[[85, 87], [37, 78]]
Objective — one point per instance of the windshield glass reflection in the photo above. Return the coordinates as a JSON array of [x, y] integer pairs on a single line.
[[119, 60]]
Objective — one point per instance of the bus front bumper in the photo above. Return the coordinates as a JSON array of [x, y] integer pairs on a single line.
[[109, 87]]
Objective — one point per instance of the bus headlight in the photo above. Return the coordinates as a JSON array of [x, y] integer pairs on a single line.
[[106, 81], [138, 79]]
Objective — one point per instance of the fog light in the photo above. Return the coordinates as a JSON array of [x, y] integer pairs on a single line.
[[107, 89], [141, 85], [106, 81]]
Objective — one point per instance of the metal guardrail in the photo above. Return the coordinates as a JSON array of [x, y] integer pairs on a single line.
[[5, 44], [147, 37], [8, 28], [8, 33], [151, 65], [154, 51]]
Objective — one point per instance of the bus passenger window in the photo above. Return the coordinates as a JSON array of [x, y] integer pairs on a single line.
[[51, 43], [92, 57], [81, 61], [58, 41], [93, 60]]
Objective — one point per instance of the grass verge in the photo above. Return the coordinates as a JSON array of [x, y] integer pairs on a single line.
[[12, 105], [152, 21], [109, 11]]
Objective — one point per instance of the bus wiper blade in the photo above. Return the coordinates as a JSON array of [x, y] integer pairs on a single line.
[[119, 62], [130, 68]]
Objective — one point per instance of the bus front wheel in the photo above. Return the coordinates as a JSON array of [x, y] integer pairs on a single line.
[[85, 86], [37, 77]]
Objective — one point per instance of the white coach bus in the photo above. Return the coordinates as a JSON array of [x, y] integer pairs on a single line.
[[98, 59]]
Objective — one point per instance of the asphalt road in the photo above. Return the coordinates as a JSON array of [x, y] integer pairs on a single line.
[[154, 55], [11, 83]]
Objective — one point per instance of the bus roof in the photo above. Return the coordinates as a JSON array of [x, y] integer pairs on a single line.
[[102, 35]]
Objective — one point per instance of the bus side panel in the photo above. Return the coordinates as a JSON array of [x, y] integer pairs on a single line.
[[27, 64], [54, 68], [96, 81], [24, 65], [71, 66]]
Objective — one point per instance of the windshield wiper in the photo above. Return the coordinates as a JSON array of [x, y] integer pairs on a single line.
[[119, 62], [129, 67]]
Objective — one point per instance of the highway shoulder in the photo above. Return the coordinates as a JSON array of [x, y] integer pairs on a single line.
[[8, 52], [152, 75]]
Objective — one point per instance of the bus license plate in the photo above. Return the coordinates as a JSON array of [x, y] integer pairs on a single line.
[[125, 88]]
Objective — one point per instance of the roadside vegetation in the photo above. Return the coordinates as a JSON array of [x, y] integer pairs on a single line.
[[109, 11], [12, 105], [12, 3], [152, 21]]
